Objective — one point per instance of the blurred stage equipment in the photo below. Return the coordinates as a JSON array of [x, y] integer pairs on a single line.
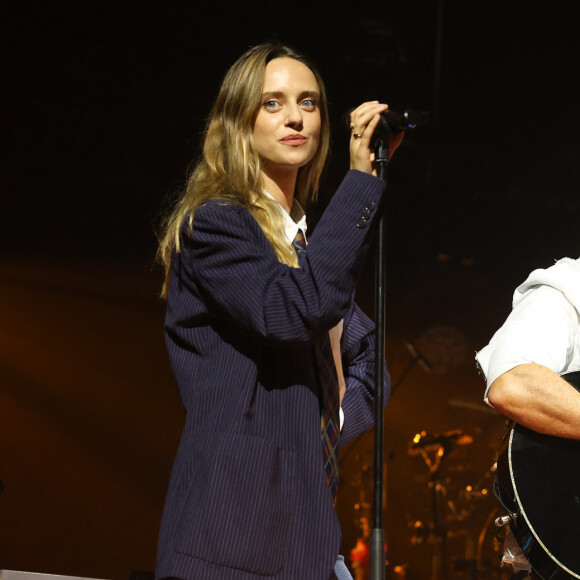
[[483, 541], [360, 554], [17, 575], [417, 358], [434, 448]]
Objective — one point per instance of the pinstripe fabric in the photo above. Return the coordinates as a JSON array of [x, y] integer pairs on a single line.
[[330, 400], [247, 497]]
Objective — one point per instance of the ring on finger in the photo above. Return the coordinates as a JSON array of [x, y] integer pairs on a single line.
[[357, 135], [351, 125]]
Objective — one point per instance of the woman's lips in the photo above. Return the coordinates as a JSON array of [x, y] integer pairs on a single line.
[[294, 140]]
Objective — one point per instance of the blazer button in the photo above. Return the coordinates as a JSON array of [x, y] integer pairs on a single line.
[[362, 223], [370, 206], [365, 215]]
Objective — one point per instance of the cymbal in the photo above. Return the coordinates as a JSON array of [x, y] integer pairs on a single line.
[[458, 437], [434, 441]]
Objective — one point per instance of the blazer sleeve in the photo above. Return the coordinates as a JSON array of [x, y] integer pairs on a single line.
[[358, 347], [228, 259]]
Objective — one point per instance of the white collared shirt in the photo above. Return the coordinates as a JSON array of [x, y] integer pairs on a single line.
[[293, 221], [543, 327]]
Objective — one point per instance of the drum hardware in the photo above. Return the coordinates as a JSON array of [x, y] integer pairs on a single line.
[[501, 521], [433, 448], [483, 541], [424, 442], [421, 532]]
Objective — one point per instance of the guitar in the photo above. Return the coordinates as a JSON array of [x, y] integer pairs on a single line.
[[538, 483]]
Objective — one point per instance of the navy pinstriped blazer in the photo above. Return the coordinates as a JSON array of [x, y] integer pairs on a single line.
[[248, 498]]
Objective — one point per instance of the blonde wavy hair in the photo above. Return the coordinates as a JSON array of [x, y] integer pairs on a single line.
[[230, 167]]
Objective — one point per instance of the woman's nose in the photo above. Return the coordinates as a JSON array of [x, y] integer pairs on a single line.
[[294, 116]]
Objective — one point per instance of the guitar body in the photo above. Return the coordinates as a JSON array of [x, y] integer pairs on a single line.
[[538, 478]]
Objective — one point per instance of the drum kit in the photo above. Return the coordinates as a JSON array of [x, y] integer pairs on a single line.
[[460, 536], [458, 516]]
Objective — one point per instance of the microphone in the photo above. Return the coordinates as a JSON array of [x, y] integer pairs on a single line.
[[392, 122], [419, 357]]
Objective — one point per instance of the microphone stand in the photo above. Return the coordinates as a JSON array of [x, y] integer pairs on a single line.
[[377, 540]]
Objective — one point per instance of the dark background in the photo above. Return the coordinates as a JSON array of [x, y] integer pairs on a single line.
[[102, 108]]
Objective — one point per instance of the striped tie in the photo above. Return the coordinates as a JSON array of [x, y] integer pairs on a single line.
[[329, 422]]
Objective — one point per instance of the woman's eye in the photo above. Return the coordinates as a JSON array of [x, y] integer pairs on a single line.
[[272, 105], [308, 103]]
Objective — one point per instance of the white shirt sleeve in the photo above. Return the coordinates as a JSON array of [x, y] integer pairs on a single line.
[[541, 329]]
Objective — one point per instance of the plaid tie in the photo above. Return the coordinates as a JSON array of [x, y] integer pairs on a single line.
[[329, 421]]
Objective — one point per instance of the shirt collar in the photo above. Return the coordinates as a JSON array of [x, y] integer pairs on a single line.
[[293, 221]]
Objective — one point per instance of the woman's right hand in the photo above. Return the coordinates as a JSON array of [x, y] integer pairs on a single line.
[[364, 120]]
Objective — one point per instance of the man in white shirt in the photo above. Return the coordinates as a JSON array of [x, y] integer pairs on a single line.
[[522, 364], [538, 342]]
